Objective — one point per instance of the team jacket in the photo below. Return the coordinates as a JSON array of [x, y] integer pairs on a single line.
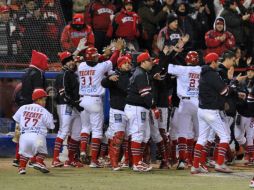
[[212, 89], [98, 15], [140, 89], [32, 79], [117, 89], [232, 99], [125, 25], [247, 109], [70, 37], [67, 86]]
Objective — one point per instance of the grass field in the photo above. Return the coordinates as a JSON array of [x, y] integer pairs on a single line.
[[105, 179]]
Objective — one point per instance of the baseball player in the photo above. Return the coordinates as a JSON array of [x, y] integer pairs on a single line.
[[212, 91], [68, 110], [187, 90], [34, 120], [90, 75], [244, 119], [118, 121], [32, 79], [139, 100]]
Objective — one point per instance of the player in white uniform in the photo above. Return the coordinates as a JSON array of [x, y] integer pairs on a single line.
[[90, 75], [187, 91], [34, 120]]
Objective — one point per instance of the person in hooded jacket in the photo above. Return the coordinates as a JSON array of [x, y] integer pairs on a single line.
[[75, 31], [219, 40]]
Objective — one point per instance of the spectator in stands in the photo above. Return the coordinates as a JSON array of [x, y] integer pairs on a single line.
[[52, 31], [234, 21], [150, 18], [8, 36], [99, 16], [75, 31], [219, 40], [171, 5], [186, 24], [199, 15], [126, 25], [174, 38], [30, 26], [66, 6]]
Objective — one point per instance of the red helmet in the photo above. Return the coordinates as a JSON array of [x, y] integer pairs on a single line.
[[192, 57], [91, 53], [78, 19], [39, 93]]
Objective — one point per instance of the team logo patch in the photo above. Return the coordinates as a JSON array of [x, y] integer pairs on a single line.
[[143, 116], [68, 110], [118, 118]]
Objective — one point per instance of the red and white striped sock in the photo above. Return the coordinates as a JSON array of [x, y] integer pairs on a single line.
[[250, 150], [197, 155], [23, 161], [95, 146], [222, 150], [182, 147], [204, 153], [126, 151], [40, 158], [57, 148], [103, 150], [162, 150], [83, 141], [72, 149], [136, 152], [17, 156], [190, 147]]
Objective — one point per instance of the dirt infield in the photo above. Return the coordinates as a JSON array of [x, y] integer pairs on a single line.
[[104, 179]]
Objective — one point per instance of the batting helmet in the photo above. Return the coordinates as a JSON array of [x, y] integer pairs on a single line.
[[192, 57], [91, 53], [39, 93]]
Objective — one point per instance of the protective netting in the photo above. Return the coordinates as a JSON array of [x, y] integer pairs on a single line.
[[27, 25]]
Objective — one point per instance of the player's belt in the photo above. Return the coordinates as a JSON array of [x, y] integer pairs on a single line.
[[90, 95], [185, 98]]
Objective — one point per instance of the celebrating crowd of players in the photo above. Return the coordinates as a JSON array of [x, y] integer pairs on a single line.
[[189, 103]]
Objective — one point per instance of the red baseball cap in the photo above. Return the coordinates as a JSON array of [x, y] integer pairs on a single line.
[[143, 57], [210, 57], [122, 60], [78, 18]]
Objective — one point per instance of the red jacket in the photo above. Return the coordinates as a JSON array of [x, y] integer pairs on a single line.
[[215, 45], [70, 37], [98, 15], [125, 25]]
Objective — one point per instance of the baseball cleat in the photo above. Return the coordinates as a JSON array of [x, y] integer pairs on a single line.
[[56, 163], [116, 169], [164, 165], [15, 163], [141, 167], [95, 165], [182, 165], [84, 158], [67, 163], [223, 168], [124, 165], [210, 163], [41, 167], [200, 169], [76, 164], [251, 183], [30, 164], [22, 171]]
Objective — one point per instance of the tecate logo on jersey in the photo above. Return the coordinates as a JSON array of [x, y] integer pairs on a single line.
[[88, 89]]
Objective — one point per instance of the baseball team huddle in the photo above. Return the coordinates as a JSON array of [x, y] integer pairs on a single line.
[[186, 106]]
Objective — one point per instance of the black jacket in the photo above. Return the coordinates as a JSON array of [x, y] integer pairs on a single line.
[[32, 79], [210, 88], [67, 86], [140, 89], [117, 89]]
